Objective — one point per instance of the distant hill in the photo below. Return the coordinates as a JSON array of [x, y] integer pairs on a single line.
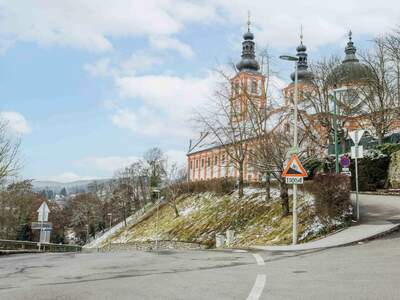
[[72, 187]]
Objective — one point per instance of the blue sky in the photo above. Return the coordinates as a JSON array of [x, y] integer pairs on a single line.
[[88, 86]]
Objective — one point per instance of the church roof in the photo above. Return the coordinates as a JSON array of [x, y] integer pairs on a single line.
[[302, 66], [248, 61], [350, 69]]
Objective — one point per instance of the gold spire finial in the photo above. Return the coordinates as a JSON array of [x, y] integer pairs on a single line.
[[248, 21], [301, 34]]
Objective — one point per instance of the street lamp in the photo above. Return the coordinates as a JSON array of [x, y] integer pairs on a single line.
[[157, 191], [109, 239], [335, 126], [294, 149], [110, 215]]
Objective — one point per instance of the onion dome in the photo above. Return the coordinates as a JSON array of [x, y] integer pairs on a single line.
[[248, 61], [302, 67], [350, 69]]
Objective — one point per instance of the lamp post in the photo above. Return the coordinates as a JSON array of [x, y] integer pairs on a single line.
[[110, 218], [336, 133], [335, 126], [157, 191], [294, 149], [109, 228]]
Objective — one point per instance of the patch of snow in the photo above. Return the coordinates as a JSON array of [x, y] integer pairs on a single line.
[[187, 211], [374, 154], [315, 228]]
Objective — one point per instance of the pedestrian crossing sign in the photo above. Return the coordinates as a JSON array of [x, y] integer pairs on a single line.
[[294, 168]]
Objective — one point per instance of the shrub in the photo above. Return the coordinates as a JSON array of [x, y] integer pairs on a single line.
[[219, 186], [313, 166], [388, 148], [372, 171], [332, 196]]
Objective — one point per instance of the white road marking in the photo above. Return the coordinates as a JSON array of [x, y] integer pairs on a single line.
[[239, 251], [259, 259], [258, 287]]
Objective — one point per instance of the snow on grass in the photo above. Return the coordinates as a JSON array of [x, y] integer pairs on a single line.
[[202, 216], [313, 229]]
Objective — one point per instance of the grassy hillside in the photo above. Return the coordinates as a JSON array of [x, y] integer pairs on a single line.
[[255, 221]]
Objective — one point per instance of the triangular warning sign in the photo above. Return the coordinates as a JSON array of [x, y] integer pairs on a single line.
[[294, 168]]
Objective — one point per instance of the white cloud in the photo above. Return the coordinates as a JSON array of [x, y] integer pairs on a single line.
[[68, 177], [16, 122], [278, 23], [137, 62], [90, 24], [125, 118], [100, 68], [107, 163], [177, 156], [172, 93], [166, 103], [162, 43]]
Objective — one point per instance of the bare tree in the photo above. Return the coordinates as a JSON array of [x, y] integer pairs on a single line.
[[155, 159], [391, 43], [226, 122], [175, 184], [378, 91], [122, 195], [315, 105], [9, 148]]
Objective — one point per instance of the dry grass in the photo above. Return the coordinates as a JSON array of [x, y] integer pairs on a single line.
[[255, 221]]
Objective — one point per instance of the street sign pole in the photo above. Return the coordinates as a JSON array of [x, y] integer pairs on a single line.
[[336, 133], [356, 137], [294, 238], [357, 202]]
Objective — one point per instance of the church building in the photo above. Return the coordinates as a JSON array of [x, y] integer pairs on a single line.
[[205, 162]]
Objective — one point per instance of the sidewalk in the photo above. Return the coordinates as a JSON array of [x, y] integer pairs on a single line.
[[379, 215]]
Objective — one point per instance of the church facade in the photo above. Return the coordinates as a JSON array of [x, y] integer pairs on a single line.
[[205, 162]]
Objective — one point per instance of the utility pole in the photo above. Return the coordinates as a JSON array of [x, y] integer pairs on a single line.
[[295, 150], [336, 132], [295, 143], [158, 204]]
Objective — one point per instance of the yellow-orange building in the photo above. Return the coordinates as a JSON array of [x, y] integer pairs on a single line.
[[207, 163]]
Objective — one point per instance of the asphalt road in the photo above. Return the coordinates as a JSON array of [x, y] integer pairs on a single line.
[[367, 271]]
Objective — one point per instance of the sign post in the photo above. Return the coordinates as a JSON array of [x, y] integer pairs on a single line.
[[345, 163], [294, 173], [45, 228], [357, 152]]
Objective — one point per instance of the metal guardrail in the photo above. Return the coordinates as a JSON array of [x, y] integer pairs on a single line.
[[43, 247]]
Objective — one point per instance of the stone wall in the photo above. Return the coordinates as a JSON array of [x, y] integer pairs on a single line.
[[151, 246], [394, 171]]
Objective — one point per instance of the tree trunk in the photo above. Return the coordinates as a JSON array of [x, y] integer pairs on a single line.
[[284, 198], [175, 209], [240, 187], [267, 187]]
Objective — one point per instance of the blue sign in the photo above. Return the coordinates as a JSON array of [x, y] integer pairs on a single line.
[[345, 161]]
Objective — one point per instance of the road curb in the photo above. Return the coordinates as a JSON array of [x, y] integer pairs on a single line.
[[9, 252], [396, 227]]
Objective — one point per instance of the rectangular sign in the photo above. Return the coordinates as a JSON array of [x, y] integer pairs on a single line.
[[38, 225], [357, 152], [294, 180]]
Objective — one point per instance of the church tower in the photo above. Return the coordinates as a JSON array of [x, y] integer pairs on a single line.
[[249, 83]]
